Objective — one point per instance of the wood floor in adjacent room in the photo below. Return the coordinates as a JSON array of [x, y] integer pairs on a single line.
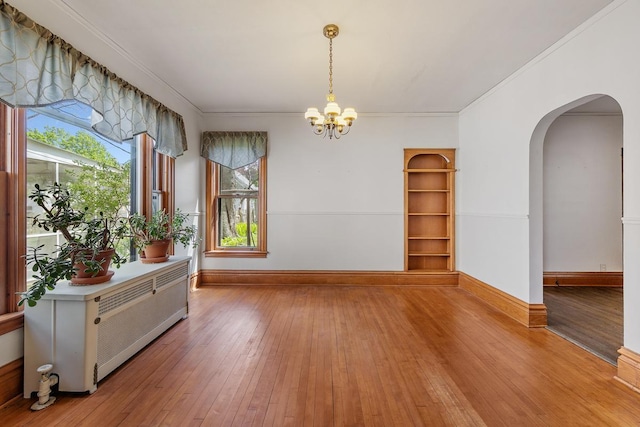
[[590, 316], [341, 356]]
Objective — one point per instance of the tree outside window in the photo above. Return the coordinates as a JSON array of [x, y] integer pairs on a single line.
[[238, 204]]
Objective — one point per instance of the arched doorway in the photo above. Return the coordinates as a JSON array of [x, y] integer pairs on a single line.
[[576, 229]]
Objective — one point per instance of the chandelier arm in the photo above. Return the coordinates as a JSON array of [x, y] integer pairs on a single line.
[[328, 130]]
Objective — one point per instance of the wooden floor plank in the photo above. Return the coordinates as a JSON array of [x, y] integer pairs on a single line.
[[372, 356]]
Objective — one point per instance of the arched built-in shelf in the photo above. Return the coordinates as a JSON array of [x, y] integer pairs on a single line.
[[429, 209]]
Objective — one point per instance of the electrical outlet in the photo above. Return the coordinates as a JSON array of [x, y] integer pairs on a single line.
[[603, 267]]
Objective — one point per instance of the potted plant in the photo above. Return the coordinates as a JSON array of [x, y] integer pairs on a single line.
[[88, 248], [152, 236]]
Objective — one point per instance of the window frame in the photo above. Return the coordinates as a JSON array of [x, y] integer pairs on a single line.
[[13, 237], [13, 161], [158, 174], [212, 249]]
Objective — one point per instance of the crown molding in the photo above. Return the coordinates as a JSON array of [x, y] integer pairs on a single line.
[[301, 114]]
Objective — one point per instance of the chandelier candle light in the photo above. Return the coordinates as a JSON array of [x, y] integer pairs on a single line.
[[332, 123]]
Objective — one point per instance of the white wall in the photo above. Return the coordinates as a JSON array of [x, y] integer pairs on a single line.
[[335, 205], [495, 135], [583, 193], [188, 185], [11, 346]]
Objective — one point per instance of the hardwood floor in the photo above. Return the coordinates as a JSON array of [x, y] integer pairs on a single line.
[[341, 356], [588, 315]]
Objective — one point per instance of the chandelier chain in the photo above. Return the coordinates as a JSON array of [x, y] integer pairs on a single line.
[[331, 65]]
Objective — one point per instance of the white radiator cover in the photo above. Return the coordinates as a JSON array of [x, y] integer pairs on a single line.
[[88, 331]]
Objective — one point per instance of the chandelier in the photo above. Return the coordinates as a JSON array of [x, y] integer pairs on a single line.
[[332, 123]]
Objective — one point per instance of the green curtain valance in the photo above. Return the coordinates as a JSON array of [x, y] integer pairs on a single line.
[[233, 149], [38, 68]]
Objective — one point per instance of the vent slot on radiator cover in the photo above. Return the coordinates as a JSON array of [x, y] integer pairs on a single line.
[[121, 298], [166, 278]]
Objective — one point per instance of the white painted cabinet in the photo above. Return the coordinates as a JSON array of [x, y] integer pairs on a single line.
[[88, 331]]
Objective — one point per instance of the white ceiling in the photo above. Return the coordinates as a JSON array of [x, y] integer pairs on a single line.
[[402, 56]]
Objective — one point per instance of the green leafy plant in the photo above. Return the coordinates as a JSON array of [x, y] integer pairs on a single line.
[[162, 226], [240, 239], [86, 237]]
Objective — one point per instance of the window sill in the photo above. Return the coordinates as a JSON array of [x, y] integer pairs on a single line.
[[235, 253], [11, 321]]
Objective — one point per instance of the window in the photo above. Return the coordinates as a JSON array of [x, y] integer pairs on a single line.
[[46, 145], [236, 210], [62, 147]]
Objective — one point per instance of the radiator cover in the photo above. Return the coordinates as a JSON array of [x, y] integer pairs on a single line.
[[88, 331]]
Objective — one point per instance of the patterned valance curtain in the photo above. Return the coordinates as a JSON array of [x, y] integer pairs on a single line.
[[233, 149], [37, 69]]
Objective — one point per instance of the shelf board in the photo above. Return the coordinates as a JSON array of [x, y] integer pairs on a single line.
[[428, 214], [427, 238], [425, 254], [429, 170], [429, 191]]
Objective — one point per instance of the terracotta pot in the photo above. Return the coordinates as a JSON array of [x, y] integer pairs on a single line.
[[156, 252], [82, 277]]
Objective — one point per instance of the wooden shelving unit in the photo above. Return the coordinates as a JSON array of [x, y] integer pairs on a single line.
[[429, 177]]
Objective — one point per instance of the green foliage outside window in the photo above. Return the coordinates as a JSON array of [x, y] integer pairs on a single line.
[[82, 143], [240, 239]]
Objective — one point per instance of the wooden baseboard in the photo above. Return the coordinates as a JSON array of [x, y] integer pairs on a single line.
[[11, 380], [194, 280], [595, 278], [530, 315], [629, 368], [321, 278]]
